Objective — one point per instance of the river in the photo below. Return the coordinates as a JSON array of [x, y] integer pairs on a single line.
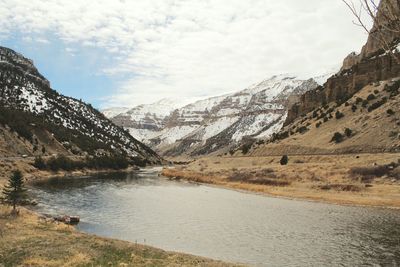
[[224, 224]]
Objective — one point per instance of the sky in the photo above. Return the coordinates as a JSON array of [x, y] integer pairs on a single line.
[[114, 53]]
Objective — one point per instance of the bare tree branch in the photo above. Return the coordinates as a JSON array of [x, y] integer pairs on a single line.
[[384, 21]]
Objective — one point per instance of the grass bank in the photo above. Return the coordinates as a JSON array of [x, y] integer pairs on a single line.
[[28, 240], [341, 179]]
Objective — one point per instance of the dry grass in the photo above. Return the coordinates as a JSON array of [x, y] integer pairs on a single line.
[[318, 177], [28, 240]]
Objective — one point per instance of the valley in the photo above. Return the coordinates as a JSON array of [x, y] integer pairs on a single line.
[[293, 170]]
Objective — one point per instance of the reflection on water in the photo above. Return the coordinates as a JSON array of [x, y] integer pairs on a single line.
[[225, 224]]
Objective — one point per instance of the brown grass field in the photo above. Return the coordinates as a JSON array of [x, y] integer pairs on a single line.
[[330, 178]]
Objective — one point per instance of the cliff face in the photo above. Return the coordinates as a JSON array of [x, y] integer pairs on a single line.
[[385, 29], [372, 65]]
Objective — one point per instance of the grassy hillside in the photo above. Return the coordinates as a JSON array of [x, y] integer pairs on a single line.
[[371, 117]]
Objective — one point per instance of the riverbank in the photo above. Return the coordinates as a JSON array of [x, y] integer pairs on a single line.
[[32, 174], [28, 240], [340, 179]]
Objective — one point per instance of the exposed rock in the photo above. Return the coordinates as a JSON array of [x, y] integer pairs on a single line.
[[372, 65]]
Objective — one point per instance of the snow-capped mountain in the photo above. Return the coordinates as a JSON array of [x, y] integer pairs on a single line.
[[24, 90], [216, 123], [112, 112], [146, 121]]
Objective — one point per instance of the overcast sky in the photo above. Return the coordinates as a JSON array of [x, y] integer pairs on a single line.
[[128, 52]]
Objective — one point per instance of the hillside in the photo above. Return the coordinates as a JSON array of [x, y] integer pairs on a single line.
[[216, 124], [36, 120], [362, 98]]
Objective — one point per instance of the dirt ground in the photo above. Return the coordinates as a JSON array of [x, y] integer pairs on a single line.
[[328, 178]]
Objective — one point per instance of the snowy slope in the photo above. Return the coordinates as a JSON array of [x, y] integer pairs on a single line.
[[112, 112], [23, 88], [209, 125]]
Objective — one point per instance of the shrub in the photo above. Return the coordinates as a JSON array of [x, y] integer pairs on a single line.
[[377, 104], [348, 132], [364, 103], [246, 148], [337, 137], [284, 160], [359, 100], [371, 97], [318, 124], [302, 129], [39, 163], [353, 108], [326, 119], [390, 112], [266, 181], [376, 92], [339, 115]]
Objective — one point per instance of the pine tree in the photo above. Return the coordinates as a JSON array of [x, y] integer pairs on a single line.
[[14, 192]]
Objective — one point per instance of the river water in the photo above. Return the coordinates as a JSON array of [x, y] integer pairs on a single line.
[[224, 224]]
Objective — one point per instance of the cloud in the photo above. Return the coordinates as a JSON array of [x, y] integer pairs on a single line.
[[191, 48]]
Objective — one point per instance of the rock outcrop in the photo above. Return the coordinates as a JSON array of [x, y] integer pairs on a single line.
[[374, 64]]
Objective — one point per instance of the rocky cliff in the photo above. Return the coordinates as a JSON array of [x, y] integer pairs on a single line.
[[376, 62]]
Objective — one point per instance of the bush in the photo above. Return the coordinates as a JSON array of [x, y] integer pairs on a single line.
[[318, 124], [284, 160], [371, 97], [348, 132], [376, 92], [364, 103], [339, 115], [39, 163], [353, 108], [390, 112], [359, 100], [246, 148], [62, 162], [302, 129], [337, 137], [377, 104]]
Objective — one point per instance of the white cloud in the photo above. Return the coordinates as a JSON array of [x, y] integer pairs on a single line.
[[191, 48]]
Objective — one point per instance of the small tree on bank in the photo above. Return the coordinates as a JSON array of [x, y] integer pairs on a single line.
[[14, 191]]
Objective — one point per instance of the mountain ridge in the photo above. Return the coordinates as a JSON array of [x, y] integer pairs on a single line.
[[72, 126], [198, 128]]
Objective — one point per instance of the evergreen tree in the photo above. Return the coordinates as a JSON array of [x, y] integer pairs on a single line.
[[14, 192]]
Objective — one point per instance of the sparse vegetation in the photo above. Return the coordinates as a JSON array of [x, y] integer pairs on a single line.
[[62, 162], [371, 97], [390, 112], [339, 115], [39, 163], [284, 160], [348, 132], [369, 173], [377, 104], [337, 137]]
